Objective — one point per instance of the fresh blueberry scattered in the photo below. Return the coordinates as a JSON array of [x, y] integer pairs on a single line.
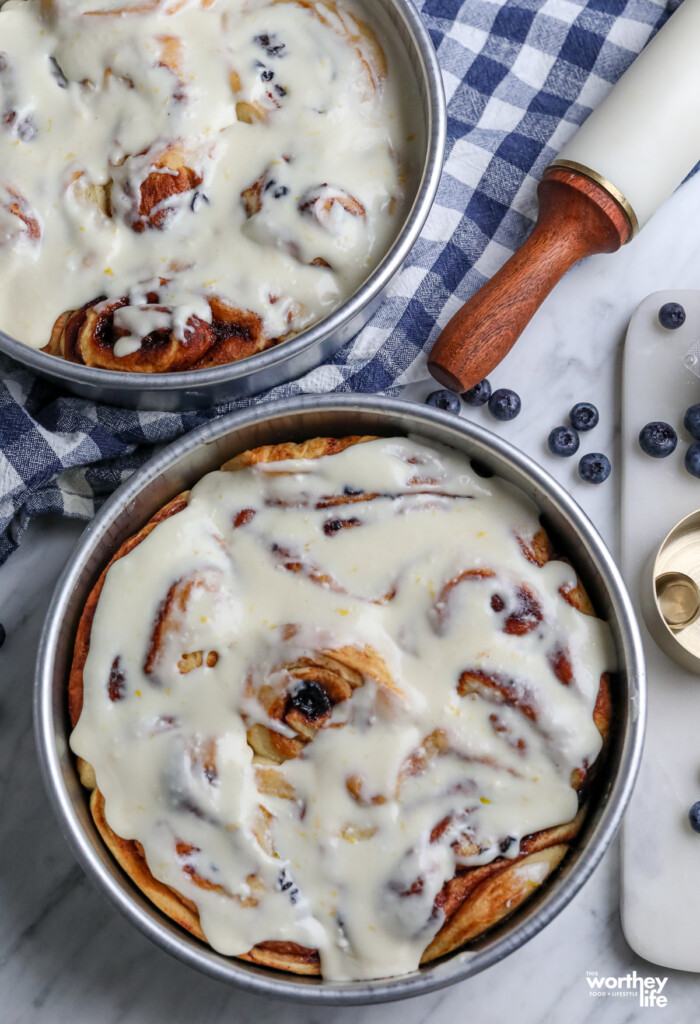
[[563, 441], [692, 459], [584, 416], [504, 404], [3, 634], [658, 439], [691, 421], [672, 316], [694, 816], [267, 75], [594, 468], [444, 399], [479, 394]]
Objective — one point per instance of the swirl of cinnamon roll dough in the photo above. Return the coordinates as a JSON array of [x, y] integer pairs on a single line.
[[149, 189], [274, 216], [115, 334], [356, 33], [19, 225], [261, 90], [340, 706]]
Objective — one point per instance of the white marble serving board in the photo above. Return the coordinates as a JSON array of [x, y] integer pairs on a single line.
[[660, 898]]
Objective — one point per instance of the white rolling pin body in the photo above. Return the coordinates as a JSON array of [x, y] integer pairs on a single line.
[[644, 138]]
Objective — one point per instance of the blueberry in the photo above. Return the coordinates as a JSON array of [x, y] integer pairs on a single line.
[[267, 75], [694, 817], [504, 404], [285, 883], [563, 441], [672, 316], [479, 394], [584, 416], [692, 459], [56, 71], [198, 200], [691, 421], [278, 191], [271, 48], [3, 634], [594, 468], [310, 699], [444, 399], [658, 439]]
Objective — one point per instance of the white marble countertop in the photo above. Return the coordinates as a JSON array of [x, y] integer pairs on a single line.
[[66, 957]]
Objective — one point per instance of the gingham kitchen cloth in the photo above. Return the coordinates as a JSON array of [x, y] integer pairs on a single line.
[[520, 75]]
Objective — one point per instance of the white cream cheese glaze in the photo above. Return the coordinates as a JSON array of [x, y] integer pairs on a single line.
[[93, 93], [354, 878]]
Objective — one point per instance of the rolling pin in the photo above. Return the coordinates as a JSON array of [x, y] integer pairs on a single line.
[[619, 168]]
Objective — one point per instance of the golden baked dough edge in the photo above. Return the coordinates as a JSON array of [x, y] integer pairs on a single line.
[[474, 900]]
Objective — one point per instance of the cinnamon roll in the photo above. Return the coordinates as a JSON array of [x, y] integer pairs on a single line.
[[115, 334], [252, 153], [149, 189], [340, 707], [340, 217]]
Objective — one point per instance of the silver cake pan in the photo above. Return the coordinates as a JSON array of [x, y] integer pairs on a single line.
[[178, 467], [291, 359]]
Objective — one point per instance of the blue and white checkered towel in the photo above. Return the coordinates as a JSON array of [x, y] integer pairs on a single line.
[[520, 75]]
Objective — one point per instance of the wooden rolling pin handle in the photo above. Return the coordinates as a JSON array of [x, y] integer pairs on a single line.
[[577, 218]]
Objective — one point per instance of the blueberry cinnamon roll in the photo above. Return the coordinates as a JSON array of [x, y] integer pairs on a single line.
[[151, 189], [357, 34], [353, 706], [149, 338], [338, 219]]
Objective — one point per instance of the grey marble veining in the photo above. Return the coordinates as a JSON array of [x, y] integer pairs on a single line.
[[66, 957]]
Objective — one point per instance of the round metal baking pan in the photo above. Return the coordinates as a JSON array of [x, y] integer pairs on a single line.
[[178, 467], [293, 358]]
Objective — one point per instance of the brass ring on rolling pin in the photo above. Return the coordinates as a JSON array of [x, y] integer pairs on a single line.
[[622, 201]]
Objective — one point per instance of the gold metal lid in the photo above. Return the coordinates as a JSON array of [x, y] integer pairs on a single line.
[[670, 596]]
